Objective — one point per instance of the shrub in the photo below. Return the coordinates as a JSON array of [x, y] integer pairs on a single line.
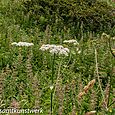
[[93, 16]]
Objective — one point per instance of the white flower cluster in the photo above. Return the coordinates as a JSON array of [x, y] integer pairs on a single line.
[[55, 49], [71, 41], [22, 44]]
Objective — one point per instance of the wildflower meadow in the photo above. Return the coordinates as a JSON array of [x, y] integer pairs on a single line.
[[53, 64]]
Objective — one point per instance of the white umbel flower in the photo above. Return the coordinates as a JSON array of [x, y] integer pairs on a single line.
[[14, 43], [71, 42], [59, 46], [22, 44], [63, 52], [66, 49], [45, 47], [55, 49]]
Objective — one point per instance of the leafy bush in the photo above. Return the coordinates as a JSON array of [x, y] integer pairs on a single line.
[[92, 16]]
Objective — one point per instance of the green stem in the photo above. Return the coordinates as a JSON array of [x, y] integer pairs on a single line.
[[110, 87], [58, 76], [51, 102], [97, 72], [110, 80], [52, 77]]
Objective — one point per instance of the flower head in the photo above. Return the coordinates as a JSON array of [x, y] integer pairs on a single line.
[[66, 49], [45, 47], [14, 43], [63, 52], [71, 42], [55, 49], [22, 44]]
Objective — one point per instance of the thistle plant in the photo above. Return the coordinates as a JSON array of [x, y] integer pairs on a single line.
[[54, 50]]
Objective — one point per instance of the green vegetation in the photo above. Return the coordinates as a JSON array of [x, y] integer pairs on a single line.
[[76, 83], [93, 16]]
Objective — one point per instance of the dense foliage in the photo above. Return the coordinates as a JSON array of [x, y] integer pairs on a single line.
[[93, 16]]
